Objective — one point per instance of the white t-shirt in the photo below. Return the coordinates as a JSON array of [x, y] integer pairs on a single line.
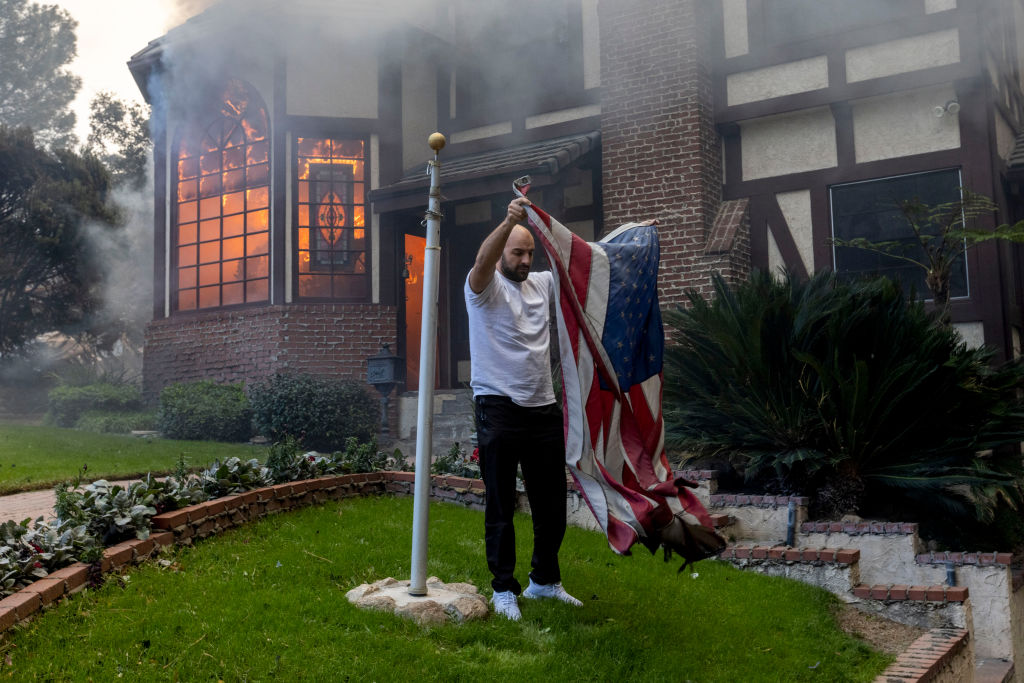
[[508, 338]]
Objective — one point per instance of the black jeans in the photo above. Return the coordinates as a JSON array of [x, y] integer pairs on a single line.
[[509, 435]]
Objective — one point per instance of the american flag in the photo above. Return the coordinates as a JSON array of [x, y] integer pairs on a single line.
[[611, 341]]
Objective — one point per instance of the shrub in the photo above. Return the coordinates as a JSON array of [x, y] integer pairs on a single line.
[[116, 423], [846, 393], [68, 403], [321, 412], [204, 410], [457, 462]]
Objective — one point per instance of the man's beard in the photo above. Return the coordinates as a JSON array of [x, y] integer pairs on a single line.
[[513, 274]]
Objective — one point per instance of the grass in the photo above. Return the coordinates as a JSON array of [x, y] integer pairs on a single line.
[[33, 457], [267, 602]]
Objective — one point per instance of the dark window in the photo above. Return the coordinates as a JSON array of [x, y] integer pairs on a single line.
[[222, 213], [790, 20], [871, 210], [331, 219]]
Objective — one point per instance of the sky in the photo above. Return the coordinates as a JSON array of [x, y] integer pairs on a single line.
[[109, 33]]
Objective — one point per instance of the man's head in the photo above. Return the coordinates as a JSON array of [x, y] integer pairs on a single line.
[[517, 255]]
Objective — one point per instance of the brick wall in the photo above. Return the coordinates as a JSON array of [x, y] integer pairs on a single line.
[[247, 345], [661, 152]]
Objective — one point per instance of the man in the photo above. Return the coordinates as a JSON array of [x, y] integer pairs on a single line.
[[518, 422]]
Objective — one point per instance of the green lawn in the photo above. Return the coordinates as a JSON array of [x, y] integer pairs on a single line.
[[267, 602], [39, 457]]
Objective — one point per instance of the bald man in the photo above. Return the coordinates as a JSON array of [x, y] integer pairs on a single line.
[[518, 422]]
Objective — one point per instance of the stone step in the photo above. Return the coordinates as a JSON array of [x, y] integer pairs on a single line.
[[993, 671]]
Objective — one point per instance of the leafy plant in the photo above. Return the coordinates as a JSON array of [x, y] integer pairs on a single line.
[[364, 457], [205, 410], [234, 475], [321, 412], [286, 462], [31, 553], [847, 393], [456, 462], [110, 513]]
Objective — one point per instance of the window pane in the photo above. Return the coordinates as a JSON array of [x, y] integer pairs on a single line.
[[234, 225], [234, 247], [187, 256], [187, 278], [256, 244], [256, 266], [209, 230], [233, 203], [209, 252], [871, 210], [187, 190], [186, 300], [233, 294], [187, 212], [209, 296], [256, 290], [256, 221], [209, 208], [315, 286], [258, 198], [187, 234], [209, 275]]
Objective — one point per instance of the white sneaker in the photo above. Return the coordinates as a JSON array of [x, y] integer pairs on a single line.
[[506, 605], [536, 591]]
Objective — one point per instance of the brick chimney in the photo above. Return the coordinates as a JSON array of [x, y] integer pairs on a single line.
[[661, 152]]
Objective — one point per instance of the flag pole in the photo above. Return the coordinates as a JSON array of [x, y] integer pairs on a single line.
[[428, 352]]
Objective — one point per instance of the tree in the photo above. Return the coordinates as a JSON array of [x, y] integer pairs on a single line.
[[942, 234], [119, 136], [49, 273], [36, 90]]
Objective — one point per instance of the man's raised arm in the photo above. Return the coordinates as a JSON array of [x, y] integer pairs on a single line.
[[489, 254]]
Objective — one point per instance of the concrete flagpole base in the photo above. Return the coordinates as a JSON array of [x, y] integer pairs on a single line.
[[456, 602]]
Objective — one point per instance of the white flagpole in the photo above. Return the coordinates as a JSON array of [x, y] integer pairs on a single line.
[[428, 352]]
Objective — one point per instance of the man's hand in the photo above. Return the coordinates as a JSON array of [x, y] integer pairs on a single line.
[[516, 212], [490, 251]]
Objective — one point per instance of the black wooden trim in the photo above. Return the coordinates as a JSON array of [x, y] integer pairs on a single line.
[[874, 169], [839, 91], [846, 155], [159, 212], [758, 232], [821, 228], [279, 163], [761, 55]]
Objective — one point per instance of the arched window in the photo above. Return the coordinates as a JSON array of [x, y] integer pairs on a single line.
[[221, 239]]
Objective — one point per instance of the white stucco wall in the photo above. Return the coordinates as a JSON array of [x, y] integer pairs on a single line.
[[904, 123], [333, 81], [591, 45], [419, 110], [775, 81], [788, 143], [933, 6], [796, 207], [551, 118], [973, 334], [737, 40], [775, 261], [482, 132], [903, 56]]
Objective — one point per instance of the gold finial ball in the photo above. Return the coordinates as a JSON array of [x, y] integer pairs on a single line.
[[436, 142]]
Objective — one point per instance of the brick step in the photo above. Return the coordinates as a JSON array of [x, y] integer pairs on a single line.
[[899, 592], [787, 553], [942, 652]]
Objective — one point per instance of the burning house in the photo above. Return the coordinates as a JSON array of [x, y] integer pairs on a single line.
[[290, 150]]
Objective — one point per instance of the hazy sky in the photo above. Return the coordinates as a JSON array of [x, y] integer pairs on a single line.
[[109, 33]]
